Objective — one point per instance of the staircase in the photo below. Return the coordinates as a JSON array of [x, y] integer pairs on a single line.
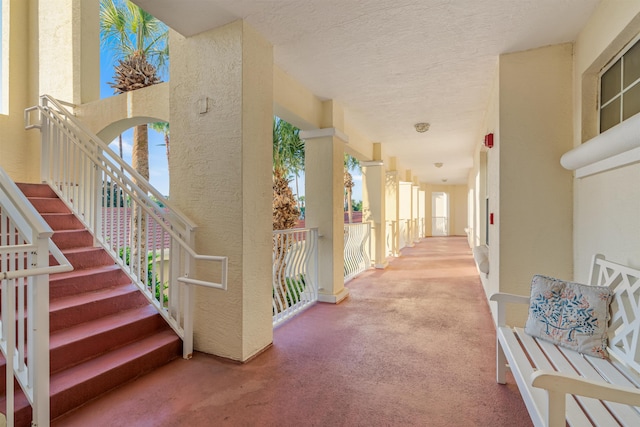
[[103, 330]]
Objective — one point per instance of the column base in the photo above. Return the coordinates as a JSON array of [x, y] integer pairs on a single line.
[[334, 299], [382, 265]]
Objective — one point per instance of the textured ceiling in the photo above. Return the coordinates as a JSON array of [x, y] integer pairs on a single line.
[[393, 63]]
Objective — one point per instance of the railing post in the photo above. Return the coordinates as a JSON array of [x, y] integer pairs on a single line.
[[38, 351], [45, 135], [313, 268], [189, 296]]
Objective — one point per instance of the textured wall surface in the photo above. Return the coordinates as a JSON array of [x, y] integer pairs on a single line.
[[221, 178], [109, 117], [606, 204], [535, 206]]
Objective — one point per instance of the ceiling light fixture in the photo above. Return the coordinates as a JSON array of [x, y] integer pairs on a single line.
[[438, 164], [422, 127], [444, 179]]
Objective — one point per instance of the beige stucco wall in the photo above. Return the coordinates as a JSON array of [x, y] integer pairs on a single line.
[[535, 192], [109, 117], [53, 48], [490, 189], [221, 178], [15, 151], [606, 205]]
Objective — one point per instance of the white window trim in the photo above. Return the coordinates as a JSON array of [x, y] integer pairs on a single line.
[[610, 64]]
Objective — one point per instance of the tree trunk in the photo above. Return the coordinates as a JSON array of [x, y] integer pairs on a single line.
[[140, 162], [140, 155]]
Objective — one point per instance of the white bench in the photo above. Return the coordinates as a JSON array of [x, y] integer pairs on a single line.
[[561, 386]]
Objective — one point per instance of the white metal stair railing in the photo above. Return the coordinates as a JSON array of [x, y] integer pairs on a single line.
[[25, 246], [148, 237], [295, 272], [357, 250]]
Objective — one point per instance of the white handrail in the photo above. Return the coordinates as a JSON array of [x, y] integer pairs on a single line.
[[154, 245], [25, 246]]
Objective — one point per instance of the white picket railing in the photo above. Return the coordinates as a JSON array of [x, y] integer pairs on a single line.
[[392, 242], [25, 249], [295, 272], [150, 239], [357, 249], [440, 226]]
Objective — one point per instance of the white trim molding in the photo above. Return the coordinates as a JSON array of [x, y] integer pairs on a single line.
[[618, 146], [323, 133], [372, 163]]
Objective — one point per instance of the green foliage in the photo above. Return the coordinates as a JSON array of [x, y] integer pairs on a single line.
[[288, 148], [160, 288], [356, 205], [295, 287], [129, 31], [113, 196]]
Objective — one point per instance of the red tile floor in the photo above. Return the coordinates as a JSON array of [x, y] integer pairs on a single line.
[[413, 345]]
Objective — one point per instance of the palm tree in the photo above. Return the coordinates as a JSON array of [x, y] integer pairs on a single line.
[[140, 43], [288, 158], [163, 128], [350, 163]]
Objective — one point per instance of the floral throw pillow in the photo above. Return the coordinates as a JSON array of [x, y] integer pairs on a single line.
[[569, 314]]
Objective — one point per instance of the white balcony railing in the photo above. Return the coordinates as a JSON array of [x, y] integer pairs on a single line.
[[26, 250], [440, 225], [295, 272], [150, 239], [357, 249], [392, 241]]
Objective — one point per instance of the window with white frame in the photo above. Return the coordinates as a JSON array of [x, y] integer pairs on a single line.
[[620, 87]]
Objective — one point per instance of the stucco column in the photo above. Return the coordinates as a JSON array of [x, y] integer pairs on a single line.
[[373, 194], [391, 205], [324, 195], [221, 137]]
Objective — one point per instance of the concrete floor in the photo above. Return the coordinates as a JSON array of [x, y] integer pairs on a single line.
[[413, 345]]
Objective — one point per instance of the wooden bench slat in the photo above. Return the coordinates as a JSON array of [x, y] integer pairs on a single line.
[[596, 410], [575, 414], [535, 399], [625, 414]]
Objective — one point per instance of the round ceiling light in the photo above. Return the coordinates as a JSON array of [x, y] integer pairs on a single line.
[[438, 164], [422, 127]]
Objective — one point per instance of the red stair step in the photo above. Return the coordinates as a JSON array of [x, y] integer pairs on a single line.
[[49, 205], [87, 257], [62, 221], [75, 386], [86, 280], [36, 190], [87, 340], [75, 309], [68, 239]]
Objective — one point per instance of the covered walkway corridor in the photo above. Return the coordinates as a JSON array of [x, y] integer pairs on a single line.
[[413, 345]]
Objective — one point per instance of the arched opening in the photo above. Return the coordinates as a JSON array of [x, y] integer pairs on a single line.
[[120, 137]]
